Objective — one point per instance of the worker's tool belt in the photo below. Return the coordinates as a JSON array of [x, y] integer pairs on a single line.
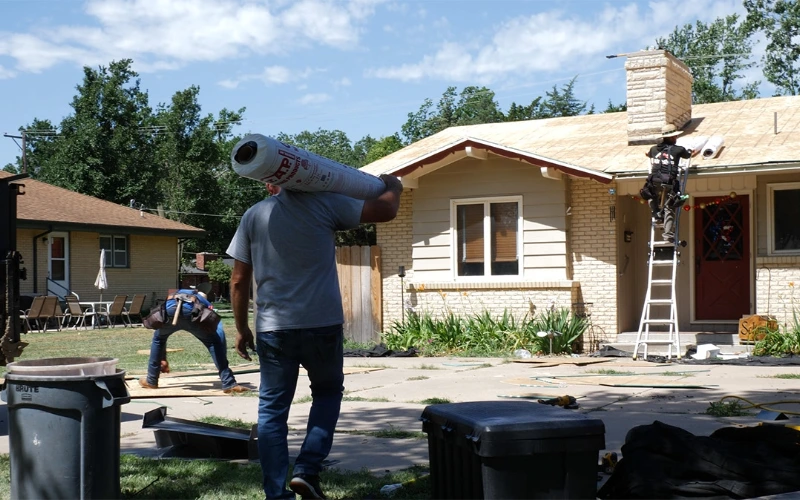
[[207, 319]]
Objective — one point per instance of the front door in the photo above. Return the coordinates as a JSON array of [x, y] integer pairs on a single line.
[[58, 264], [722, 258]]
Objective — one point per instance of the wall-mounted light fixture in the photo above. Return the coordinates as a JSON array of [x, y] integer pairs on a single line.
[[401, 271], [612, 209]]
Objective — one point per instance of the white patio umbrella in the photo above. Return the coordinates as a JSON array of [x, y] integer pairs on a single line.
[[101, 282]]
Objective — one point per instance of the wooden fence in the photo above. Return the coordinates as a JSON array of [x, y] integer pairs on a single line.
[[360, 283]]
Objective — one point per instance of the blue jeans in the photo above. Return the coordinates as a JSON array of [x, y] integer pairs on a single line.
[[214, 342], [280, 354]]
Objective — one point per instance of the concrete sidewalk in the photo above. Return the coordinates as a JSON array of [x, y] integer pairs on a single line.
[[391, 398]]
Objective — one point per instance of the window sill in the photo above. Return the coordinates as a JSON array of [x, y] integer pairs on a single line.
[[492, 285], [780, 259]]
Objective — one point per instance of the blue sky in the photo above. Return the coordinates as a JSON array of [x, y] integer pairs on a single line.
[[359, 66]]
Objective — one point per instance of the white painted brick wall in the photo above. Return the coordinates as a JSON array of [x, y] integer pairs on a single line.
[[594, 250], [395, 240], [777, 284]]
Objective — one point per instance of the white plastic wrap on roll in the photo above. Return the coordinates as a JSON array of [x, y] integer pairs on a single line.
[[694, 143], [712, 147], [268, 160]]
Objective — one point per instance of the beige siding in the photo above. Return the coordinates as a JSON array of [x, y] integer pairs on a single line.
[[153, 266], [761, 207], [543, 211]]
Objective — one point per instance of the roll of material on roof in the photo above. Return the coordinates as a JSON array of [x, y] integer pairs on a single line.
[[271, 161], [712, 147], [694, 143]]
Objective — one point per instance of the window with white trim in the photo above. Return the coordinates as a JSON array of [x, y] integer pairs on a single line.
[[487, 236], [783, 211], [116, 247]]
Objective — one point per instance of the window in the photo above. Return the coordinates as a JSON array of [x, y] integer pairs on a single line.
[[486, 237], [116, 248], [783, 211]]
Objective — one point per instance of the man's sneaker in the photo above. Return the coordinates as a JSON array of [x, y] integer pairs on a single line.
[[147, 385], [306, 486], [236, 389]]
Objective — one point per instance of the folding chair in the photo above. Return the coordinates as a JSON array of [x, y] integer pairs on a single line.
[[135, 309], [74, 310], [33, 313], [115, 310], [49, 311]]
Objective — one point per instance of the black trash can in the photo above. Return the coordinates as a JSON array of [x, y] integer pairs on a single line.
[[64, 427], [512, 449]]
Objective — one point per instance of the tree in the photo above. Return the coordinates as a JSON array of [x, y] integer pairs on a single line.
[[472, 106], [383, 147], [103, 148], [563, 102], [615, 108], [717, 54], [780, 21], [219, 271]]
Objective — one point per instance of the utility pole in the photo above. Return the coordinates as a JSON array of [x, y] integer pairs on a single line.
[[24, 149]]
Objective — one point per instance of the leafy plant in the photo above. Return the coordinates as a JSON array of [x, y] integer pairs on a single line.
[[219, 271], [726, 409], [567, 326], [777, 343]]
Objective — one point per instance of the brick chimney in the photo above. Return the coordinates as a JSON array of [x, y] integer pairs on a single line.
[[203, 258], [659, 95]]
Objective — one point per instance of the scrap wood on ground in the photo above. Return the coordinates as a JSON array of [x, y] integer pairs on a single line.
[[657, 381], [557, 361]]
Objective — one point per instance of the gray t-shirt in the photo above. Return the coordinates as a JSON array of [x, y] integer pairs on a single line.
[[289, 239]]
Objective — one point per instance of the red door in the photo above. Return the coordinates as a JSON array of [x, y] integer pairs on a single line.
[[722, 258]]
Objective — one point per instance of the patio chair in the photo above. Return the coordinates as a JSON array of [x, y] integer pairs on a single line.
[[33, 313], [48, 312], [115, 310], [135, 309], [77, 312]]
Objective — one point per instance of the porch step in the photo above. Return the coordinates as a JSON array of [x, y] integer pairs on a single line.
[[690, 338]]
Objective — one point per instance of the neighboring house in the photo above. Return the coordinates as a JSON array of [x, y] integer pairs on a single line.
[[60, 234], [523, 215], [197, 272]]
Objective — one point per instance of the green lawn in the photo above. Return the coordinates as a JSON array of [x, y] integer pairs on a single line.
[[123, 344], [206, 479]]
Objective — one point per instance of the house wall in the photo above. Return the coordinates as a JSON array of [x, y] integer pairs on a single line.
[[777, 276], [153, 266], [420, 239], [544, 226], [593, 241]]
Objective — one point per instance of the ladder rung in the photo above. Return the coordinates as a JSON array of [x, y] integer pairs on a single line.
[[662, 243], [658, 322], [662, 262], [661, 282], [662, 342], [660, 301]]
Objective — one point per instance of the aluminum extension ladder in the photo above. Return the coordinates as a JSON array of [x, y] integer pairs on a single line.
[[662, 272]]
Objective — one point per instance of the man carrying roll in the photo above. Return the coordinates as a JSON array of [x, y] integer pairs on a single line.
[[287, 243]]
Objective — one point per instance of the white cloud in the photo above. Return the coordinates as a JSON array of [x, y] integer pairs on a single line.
[[343, 82], [271, 75], [554, 40], [6, 73], [314, 99], [163, 34]]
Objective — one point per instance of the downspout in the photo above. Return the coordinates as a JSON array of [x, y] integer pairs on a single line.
[[35, 260]]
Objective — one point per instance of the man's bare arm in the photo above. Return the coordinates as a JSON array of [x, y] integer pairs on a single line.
[[384, 208], [241, 277]]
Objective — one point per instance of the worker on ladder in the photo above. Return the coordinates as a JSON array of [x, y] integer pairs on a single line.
[[663, 188]]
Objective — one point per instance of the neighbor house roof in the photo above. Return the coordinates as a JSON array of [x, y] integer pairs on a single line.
[[598, 144], [45, 205]]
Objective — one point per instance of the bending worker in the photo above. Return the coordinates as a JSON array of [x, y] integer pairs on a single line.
[[213, 337]]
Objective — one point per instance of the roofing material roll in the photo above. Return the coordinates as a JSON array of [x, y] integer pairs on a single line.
[[695, 143], [266, 159], [712, 147]]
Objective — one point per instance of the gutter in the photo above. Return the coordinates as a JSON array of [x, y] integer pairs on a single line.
[[35, 260], [722, 170]]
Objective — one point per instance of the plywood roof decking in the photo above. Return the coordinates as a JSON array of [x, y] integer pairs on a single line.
[[600, 142], [46, 203]]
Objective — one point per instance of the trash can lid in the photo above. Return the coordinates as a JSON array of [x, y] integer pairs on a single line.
[[55, 367], [512, 420]]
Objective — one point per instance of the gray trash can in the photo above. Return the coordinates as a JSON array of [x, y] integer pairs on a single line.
[[64, 427]]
